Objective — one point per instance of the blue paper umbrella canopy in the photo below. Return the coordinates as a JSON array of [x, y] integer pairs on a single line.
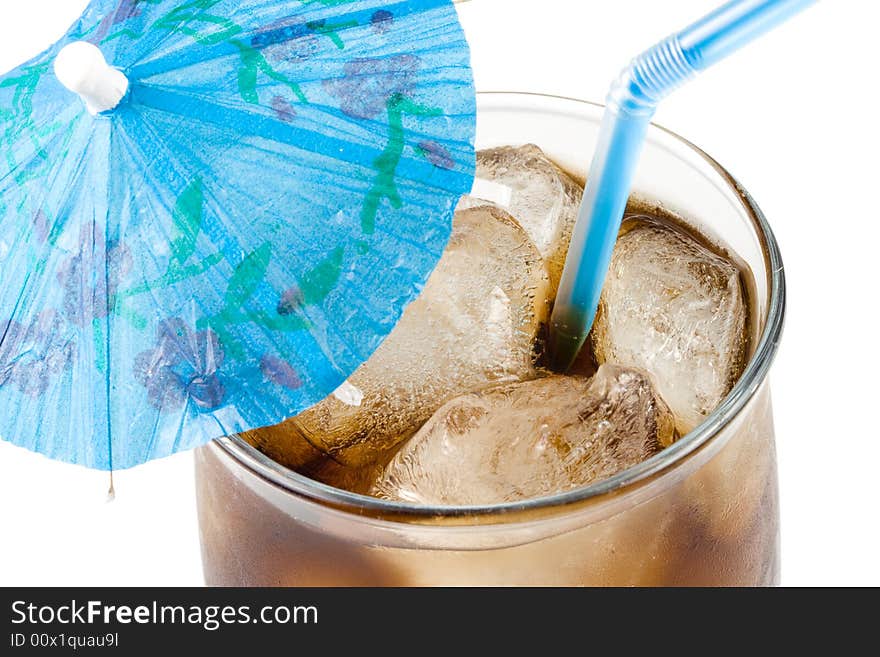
[[223, 248]]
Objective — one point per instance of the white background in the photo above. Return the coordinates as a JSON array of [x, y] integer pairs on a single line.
[[794, 117]]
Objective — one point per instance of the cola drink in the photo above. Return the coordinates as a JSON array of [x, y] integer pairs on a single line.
[[464, 461]]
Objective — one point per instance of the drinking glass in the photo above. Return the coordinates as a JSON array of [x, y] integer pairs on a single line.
[[701, 512]]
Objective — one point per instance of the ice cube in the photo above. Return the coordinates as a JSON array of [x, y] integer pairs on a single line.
[[676, 309], [536, 192], [529, 439], [474, 325]]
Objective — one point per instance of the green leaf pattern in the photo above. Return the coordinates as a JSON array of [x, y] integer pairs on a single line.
[[193, 18]]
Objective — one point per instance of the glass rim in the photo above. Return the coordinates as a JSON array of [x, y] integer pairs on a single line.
[[620, 484]]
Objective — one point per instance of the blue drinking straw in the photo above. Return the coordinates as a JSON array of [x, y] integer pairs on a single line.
[[631, 103]]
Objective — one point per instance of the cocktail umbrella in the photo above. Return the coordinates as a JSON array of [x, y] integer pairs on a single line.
[[230, 223]]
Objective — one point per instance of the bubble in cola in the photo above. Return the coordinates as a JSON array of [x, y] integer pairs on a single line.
[[475, 324], [537, 193], [674, 308], [529, 439]]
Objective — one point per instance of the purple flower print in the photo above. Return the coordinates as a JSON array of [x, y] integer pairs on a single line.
[[183, 367], [283, 109], [291, 300], [89, 285], [382, 21], [125, 10], [287, 40], [32, 355], [436, 154], [280, 372], [368, 84], [41, 226]]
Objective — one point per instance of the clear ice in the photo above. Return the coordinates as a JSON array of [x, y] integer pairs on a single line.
[[674, 308], [536, 192], [529, 439]]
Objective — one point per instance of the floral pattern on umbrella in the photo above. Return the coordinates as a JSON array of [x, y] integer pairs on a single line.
[[33, 355], [91, 276], [183, 367], [232, 241]]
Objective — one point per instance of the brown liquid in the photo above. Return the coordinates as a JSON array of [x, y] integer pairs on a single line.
[[717, 526], [712, 520]]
